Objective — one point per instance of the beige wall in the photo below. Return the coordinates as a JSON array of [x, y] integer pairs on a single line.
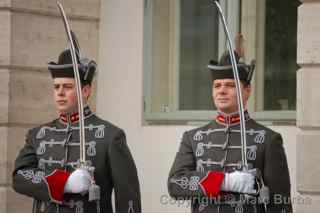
[[119, 99]]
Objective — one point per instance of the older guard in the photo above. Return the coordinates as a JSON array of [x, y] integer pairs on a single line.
[[49, 167], [233, 164], [208, 167]]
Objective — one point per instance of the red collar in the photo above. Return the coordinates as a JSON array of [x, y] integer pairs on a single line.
[[230, 119], [74, 117]]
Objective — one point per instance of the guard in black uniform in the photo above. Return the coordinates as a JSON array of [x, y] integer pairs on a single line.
[[47, 168], [208, 168]]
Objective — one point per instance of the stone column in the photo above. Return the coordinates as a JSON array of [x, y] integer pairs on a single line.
[[308, 106], [32, 34]]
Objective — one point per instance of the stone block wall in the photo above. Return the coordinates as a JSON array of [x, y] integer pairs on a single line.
[[308, 105], [32, 34]]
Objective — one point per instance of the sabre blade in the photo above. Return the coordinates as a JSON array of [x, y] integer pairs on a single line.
[[78, 84], [237, 81]]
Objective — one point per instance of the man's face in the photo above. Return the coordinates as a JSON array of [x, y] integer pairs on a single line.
[[65, 94], [224, 94]]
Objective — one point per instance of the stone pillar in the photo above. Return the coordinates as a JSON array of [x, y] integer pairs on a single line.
[[32, 34], [308, 106]]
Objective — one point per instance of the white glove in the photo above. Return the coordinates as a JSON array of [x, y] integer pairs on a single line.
[[241, 182], [78, 182]]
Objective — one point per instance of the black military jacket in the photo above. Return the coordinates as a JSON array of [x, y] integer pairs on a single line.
[[216, 147], [55, 145]]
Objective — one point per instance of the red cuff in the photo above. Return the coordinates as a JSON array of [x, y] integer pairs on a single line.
[[56, 182], [211, 184]]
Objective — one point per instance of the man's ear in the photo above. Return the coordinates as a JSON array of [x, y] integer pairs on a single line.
[[247, 91], [86, 91]]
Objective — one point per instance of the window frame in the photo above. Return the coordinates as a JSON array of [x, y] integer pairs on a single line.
[[176, 116]]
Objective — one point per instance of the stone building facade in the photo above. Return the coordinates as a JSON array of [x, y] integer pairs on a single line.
[[308, 102]]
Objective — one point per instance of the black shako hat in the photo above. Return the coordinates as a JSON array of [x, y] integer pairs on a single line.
[[223, 69], [64, 67]]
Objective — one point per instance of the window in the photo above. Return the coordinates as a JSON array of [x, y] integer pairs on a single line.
[[180, 38], [280, 60]]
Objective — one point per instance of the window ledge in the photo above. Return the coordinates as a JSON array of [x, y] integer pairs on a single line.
[[194, 118]]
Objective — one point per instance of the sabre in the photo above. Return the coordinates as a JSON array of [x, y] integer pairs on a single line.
[[78, 85], [264, 190], [94, 190], [239, 94]]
